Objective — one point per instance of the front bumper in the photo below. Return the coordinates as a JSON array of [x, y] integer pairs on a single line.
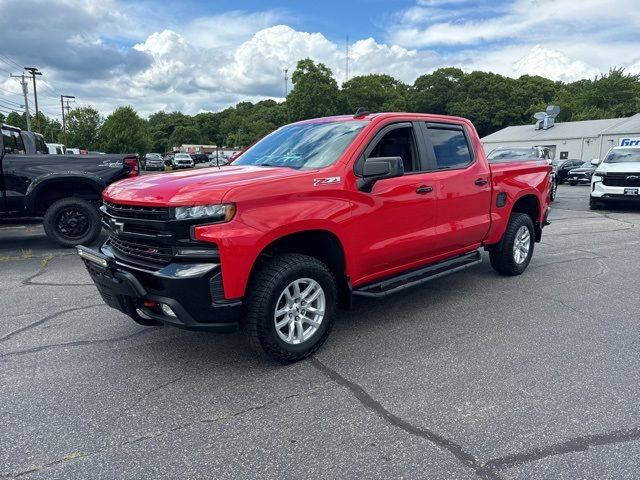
[[193, 291], [606, 192]]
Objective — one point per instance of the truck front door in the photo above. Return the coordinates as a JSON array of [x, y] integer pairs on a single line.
[[13, 184]]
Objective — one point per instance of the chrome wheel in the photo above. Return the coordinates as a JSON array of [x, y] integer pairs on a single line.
[[299, 311], [521, 245]]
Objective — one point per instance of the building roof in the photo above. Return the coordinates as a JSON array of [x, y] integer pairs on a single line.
[[582, 129]]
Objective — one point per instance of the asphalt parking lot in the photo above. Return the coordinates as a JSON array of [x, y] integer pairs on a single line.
[[471, 376]]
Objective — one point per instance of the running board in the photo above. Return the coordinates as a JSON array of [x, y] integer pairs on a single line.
[[421, 275]]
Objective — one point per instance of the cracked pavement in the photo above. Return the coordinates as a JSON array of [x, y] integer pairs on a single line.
[[471, 376]]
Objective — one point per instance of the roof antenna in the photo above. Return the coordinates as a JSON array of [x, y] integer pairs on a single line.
[[360, 112]]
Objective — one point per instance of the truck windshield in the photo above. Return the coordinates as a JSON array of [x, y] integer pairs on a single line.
[[302, 146], [623, 155]]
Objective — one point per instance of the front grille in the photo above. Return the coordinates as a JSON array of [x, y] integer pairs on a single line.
[[621, 180], [130, 211], [143, 250]]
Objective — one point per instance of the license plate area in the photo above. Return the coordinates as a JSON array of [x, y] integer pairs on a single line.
[[631, 191]]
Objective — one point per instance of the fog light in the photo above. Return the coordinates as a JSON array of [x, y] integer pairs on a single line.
[[167, 310]]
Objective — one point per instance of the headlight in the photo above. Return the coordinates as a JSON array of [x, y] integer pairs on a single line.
[[598, 176], [215, 213]]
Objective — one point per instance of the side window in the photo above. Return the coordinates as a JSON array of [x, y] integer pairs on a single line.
[[450, 147], [19, 143], [399, 142], [12, 142], [41, 146]]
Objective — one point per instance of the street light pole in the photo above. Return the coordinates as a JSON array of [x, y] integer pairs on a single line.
[[34, 71]]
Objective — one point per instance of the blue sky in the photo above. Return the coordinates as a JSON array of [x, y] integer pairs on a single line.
[[197, 56]]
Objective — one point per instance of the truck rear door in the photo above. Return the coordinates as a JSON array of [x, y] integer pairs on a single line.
[[463, 188]]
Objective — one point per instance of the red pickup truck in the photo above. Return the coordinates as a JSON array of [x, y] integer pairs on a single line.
[[314, 213]]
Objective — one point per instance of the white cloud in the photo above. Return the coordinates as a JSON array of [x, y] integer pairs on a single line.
[[553, 64]]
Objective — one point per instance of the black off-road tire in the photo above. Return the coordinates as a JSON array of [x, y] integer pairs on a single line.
[[502, 256], [264, 290], [67, 206]]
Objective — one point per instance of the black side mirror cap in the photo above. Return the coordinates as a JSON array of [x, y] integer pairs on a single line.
[[379, 168]]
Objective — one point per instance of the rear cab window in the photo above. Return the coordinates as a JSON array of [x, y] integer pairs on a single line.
[[450, 145], [12, 142]]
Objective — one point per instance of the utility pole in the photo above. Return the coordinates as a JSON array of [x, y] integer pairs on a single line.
[[347, 59], [286, 82], [25, 92], [64, 124], [34, 71]]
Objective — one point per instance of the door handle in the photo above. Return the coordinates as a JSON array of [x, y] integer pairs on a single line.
[[423, 189], [481, 181]]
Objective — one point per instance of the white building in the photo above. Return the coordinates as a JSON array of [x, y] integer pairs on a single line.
[[583, 140]]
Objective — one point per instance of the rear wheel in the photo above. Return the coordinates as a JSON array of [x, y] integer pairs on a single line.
[[72, 221], [554, 190], [512, 255], [290, 307]]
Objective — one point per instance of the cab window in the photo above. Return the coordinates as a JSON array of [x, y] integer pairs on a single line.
[[399, 142], [450, 147], [12, 142]]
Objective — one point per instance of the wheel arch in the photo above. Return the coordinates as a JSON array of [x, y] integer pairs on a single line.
[[321, 244], [42, 193], [530, 205]]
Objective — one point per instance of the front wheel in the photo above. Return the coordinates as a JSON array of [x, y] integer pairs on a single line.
[[289, 307], [573, 184], [72, 221], [594, 204], [554, 190], [512, 255]]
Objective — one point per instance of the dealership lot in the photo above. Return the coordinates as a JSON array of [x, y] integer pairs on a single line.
[[471, 376]]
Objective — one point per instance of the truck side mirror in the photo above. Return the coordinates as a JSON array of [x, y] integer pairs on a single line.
[[595, 161], [379, 168]]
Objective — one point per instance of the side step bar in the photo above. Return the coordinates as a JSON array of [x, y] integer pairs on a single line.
[[421, 275]]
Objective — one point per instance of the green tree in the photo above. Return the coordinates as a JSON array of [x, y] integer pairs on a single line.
[[432, 93], [185, 134], [315, 92], [376, 93], [1, 117], [83, 127], [16, 119], [124, 132]]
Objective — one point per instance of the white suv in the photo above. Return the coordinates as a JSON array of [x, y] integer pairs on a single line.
[[617, 177]]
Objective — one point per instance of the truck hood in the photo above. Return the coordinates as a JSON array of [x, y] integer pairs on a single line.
[[192, 187], [621, 167]]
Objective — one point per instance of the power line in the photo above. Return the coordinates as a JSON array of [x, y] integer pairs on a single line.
[[9, 61], [10, 102]]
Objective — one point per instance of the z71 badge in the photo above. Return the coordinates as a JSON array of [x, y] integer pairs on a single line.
[[325, 181]]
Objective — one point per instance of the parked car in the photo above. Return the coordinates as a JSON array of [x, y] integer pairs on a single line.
[[73, 151], [168, 159], [312, 214], [564, 167], [218, 160], [153, 161], [182, 160], [56, 148], [63, 189], [501, 154], [582, 174], [617, 177], [199, 157]]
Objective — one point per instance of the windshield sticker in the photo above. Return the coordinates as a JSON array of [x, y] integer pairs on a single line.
[[325, 181]]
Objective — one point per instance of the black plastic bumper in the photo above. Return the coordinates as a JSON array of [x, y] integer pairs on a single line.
[[193, 291]]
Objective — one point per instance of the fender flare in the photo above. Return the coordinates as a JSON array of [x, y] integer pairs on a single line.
[[36, 187]]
